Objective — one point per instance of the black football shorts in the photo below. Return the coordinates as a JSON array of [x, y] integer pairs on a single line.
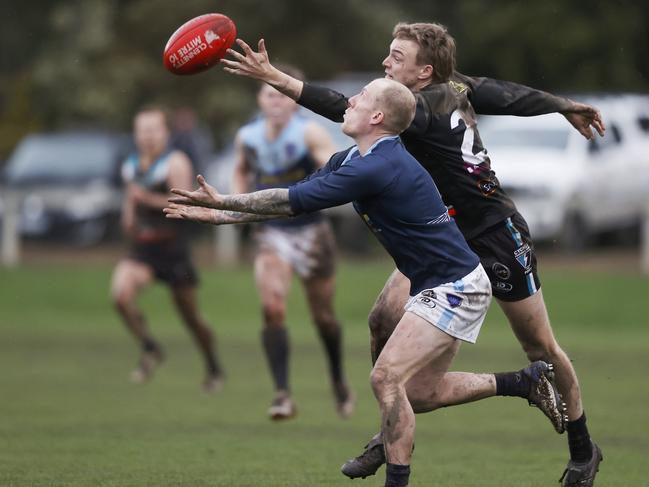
[[507, 254], [170, 262]]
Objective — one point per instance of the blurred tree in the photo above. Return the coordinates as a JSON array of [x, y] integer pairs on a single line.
[[85, 62]]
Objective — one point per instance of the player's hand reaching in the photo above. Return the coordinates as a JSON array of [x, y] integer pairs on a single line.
[[585, 118], [257, 65], [198, 214], [251, 64], [205, 195]]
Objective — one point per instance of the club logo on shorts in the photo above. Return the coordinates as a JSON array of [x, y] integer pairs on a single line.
[[427, 302], [524, 257], [504, 287], [454, 300], [501, 271], [429, 293]]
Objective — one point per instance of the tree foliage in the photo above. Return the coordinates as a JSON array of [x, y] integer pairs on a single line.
[[74, 62]]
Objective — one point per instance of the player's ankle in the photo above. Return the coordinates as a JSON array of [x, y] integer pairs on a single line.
[[515, 384], [397, 475]]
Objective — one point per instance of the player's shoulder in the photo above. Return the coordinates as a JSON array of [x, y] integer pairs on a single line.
[[443, 98], [251, 131], [178, 159]]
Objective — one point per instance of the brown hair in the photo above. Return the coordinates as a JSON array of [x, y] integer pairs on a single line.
[[436, 46], [397, 103]]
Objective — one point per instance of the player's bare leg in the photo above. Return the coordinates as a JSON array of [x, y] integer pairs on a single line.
[[387, 311], [414, 345], [320, 294], [452, 388], [185, 301], [531, 325], [129, 278], [273, 278]]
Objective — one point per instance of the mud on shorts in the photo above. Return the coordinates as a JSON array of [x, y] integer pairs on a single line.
[[308, 249], [506, 252], [170, 261], [456, 308]]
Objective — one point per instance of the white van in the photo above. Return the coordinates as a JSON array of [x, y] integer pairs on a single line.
[[567, 188]]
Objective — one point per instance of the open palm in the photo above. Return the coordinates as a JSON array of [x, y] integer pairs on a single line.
[[205, 195]]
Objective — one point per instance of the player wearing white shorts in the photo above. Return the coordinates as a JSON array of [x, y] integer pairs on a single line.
[[450, 291], [278, 149]]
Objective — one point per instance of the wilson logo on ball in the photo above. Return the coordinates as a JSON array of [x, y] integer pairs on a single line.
[[199, 44]]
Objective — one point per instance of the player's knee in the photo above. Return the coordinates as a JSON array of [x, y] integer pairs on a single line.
[[122, 300], [379, 322], [274, 314], [383, 381]]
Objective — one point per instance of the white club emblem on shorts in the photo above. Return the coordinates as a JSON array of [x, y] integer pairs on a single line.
[[524, 257]]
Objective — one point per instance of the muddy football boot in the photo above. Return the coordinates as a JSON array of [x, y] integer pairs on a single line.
[[582, 474], [368, 462], [544, 395]]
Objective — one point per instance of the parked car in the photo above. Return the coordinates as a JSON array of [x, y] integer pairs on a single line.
[[67, 184], [570, 189]]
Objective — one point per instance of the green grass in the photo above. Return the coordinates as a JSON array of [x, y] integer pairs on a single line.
[[69, 416]]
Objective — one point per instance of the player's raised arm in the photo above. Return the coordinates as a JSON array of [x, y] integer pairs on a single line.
[[497, 97], [257, 65]]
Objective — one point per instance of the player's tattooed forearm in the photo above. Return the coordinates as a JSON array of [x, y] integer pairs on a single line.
[[227, 216], [265, 202]]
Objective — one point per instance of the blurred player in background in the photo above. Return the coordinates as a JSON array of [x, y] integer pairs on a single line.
[[278, 149], [444, 139], [159, 250]]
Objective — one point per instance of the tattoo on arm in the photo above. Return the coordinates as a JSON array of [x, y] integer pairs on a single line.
[[265, 202], [227, 217]]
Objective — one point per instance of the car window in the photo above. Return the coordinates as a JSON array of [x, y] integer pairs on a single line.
[[498, 136], [45, 158]]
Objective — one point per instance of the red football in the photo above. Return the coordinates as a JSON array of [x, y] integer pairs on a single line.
[[199, 44]]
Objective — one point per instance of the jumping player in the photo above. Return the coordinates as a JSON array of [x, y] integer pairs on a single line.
[[276, 150], [444, 139], [397, 199], [159, 250]]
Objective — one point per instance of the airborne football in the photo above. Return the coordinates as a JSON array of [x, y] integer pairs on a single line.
[[199, 44]]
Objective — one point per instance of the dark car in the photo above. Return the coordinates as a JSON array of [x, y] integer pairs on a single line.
[[67, 185]]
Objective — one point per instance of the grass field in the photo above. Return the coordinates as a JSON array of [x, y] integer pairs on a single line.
[[70, 417]]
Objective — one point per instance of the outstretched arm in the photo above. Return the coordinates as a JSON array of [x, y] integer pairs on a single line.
[[214, 217], [496, 97], [273, 201]]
